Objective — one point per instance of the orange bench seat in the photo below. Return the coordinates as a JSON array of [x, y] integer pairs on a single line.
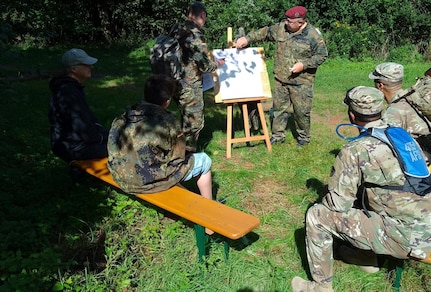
[[222, 219]]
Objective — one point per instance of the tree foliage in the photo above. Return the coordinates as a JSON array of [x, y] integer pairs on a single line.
[[352, 28]]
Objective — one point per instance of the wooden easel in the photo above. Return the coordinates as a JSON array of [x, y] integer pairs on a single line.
[[244, 104], [229, 139]]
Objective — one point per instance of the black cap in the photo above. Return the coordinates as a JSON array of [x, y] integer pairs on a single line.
[[197, 7]]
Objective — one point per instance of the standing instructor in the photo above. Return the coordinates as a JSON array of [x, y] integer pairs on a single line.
[[300, 50]]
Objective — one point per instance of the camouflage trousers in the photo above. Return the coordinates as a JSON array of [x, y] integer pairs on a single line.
[[383, 235], [190, 102], [296, 99]]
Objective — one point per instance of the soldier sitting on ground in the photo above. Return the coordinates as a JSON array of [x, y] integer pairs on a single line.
[[387, 220]]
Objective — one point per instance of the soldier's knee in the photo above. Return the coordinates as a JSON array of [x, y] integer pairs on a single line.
[[315, 212]]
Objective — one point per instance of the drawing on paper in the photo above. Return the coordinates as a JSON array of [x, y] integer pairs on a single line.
[[243, 75]]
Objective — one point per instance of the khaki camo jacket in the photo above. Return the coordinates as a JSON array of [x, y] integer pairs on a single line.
[[369, 161], [194, 59], [147, 150], [401, 114], [306, 46]]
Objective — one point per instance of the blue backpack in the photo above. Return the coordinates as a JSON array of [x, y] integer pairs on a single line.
[[408, 153]]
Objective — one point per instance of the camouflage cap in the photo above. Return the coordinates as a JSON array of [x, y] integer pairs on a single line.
[[365, 100], [388, 71]]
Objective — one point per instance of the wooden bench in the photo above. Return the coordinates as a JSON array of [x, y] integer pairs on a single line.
[[223, 220], [400, 268]]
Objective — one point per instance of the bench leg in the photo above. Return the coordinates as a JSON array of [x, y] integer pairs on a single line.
[[398, 274], [226, 250], [203, 245], [200, 242]]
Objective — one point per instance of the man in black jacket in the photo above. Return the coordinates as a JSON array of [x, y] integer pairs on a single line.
[[76, 133]]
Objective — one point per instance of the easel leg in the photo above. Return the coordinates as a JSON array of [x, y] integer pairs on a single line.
[[229, 131], [264, 127], [246, 120]]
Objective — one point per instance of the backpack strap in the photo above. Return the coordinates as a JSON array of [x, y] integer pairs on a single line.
[[406, 93]]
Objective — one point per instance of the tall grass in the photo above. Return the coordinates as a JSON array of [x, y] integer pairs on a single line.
[[76, 234]]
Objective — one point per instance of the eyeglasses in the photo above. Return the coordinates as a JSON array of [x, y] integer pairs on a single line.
[[378, 81], [288, 20]]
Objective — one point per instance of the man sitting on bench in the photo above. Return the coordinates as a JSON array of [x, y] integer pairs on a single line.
[[147, 148], [76, 134]]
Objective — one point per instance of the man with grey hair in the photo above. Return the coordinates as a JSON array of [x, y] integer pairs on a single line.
[[388, 78], [358, 209]]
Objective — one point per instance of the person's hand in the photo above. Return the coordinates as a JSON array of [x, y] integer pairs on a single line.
[[297, 68], [241, 42], [220, 62]]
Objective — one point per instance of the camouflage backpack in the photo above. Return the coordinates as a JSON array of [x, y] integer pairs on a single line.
[[419, 97], [165, 56]]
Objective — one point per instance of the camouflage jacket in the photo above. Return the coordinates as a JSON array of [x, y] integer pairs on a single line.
[[369, 161], [195, 59], [401, 114], [306, 46], [147, 150]]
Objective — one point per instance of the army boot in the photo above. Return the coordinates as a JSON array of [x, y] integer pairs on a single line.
[[301, 285]]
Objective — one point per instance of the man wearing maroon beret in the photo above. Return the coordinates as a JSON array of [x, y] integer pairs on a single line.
[[300, 50]]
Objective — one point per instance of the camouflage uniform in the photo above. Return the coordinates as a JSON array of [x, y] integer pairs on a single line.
[[147, 150], [293, 91], [195, 61], [401, 114], [399, 224]]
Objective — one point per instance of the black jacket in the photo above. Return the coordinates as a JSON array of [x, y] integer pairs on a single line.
[[73, 125]]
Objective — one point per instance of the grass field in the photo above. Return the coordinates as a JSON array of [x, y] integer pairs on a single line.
[[65, 235]]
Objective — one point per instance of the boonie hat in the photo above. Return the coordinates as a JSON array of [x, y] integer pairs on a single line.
[[296, 12], [74, 57], [365, 100], [388, 71]]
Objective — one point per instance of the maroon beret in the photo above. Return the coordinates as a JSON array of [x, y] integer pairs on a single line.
[[296, 12]]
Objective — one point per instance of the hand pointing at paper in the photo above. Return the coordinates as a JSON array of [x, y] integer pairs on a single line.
[[241, 42]]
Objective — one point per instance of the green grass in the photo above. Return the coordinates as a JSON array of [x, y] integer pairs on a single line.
[[56, 233]]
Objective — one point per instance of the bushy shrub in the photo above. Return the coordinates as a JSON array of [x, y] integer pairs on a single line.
[[354, 29], [405, 54]]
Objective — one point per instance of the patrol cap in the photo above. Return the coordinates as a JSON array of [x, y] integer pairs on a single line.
[[388, 71], [296, 12], [365, 100], [75, 57]]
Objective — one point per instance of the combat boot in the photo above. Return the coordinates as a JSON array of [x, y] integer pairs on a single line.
[[301, 285]]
